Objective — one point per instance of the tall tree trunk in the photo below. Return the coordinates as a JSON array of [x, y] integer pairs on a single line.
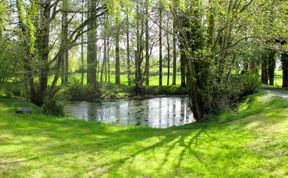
[[271, 66], [183, 65], [284, 60], [160, 45], [264, 71], [82, 46], [43, 49], [117, 52], [91, 46], [103, 68], [108, 61], [174, 51], [128, 48], [64, 43], [139, 51], [147, 60], [168, 53]]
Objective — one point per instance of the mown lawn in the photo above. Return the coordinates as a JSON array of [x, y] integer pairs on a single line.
[[153, 79], [251, 142]]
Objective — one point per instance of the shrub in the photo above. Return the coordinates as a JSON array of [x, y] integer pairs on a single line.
[[77, 92], [53, 107], [245, 84]]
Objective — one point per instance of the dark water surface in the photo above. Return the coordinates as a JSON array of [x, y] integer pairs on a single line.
[[160, 112]]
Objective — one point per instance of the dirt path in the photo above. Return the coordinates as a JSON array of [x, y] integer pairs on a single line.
[[279, 92]]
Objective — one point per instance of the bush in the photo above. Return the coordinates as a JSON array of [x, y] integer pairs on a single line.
[[244, 85], [221, 96], [53, 107], [77, 92]]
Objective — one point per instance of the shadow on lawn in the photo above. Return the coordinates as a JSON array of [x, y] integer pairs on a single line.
[[81, 138], [76, 137]]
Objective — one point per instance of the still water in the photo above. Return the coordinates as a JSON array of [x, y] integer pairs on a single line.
[[160, 112]]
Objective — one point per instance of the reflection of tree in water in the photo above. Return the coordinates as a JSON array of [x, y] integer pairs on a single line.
[[117, 114], [174, 112], [91, 110], [160, 112], [156, 112], [168, 114], [182, 111]]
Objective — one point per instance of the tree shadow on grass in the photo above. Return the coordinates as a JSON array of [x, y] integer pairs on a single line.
[[186, 140], [81, 138]]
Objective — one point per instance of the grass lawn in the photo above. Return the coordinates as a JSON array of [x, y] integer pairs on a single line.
[[251, 142], [153, 79]]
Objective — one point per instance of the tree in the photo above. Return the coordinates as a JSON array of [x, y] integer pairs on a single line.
[[147, 56], [91, 47], [160, 44], [117, 52]]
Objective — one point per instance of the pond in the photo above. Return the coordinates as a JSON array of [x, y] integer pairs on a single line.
[[159, 112]]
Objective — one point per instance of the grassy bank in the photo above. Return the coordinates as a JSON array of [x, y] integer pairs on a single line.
[[251, 142]]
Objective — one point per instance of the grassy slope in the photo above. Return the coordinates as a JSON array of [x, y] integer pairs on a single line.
[[249, 143]]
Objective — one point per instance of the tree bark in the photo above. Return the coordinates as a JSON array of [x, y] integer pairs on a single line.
[[264, 70], [147, 60], [82, 46], [64, 43], [117, 52], [43, 50], [91, 46], [128, 49], [284, 60], [183, 65], [168, 53], [271, 66], [174, 52], [160, 45]]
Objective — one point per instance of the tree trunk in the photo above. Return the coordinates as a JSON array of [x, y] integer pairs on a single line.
[[183, 66], [160, 45], [117, 52], [168, 53], [147, 60], [43, 49], [264, 71], [284, 60], [128, 48], [174, 52], [91, 46], [82, 46], [64, 43], [103, 68], [271, 66], [108, 61]]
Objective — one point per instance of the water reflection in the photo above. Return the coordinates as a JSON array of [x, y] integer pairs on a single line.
[[161, 112]]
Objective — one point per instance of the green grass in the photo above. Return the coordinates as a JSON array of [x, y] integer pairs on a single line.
[[251, 142], [154, 79]]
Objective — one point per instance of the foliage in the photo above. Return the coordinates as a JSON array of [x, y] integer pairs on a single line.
[[53, 107], [78, 92]]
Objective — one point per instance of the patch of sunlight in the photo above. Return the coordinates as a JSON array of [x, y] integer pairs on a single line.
[[243, 107], [265, 98], [253, 125]]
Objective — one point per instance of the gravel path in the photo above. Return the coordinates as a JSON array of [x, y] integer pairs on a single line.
[[279, 92]]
